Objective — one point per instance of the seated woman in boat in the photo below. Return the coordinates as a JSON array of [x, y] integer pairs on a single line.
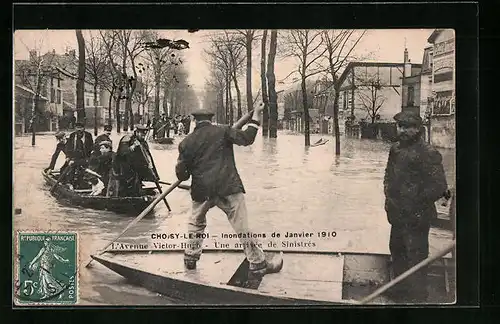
[[60, 147], [101, 164], [132, 165]]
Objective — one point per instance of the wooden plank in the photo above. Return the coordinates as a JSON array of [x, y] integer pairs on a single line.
[[307, 276], [212, 268]]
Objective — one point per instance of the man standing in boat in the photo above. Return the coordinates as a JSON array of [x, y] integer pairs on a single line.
[[105, 137], [133, 164], [207, 155], [101, 164], [414, 180], [79, 149], [60, 147]]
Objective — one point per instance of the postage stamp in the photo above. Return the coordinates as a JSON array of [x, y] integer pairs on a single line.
[[46, 268]]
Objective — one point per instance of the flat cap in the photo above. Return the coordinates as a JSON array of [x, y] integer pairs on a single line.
[[79, 124], [108, 128], [105, 143], [408, 117], [202, 112]]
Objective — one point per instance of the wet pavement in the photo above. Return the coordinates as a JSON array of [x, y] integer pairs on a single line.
[[289, 188]]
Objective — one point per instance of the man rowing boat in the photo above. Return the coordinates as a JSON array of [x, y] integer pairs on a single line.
[[132, 165], [207, 155]]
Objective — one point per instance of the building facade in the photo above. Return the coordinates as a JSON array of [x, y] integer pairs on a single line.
[[442, 117]]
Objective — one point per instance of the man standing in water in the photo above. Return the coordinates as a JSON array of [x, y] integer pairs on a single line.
[[207, 155], [414, 180]]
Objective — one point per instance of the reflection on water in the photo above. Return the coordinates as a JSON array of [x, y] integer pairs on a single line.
[[289, 188]]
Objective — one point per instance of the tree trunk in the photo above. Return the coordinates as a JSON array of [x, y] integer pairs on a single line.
[[249, 38], [109, 105], [231, 109], [34, 117], [157, 92], [80, 82], [307, 139], [271, 82], [336, 127], [226, 110], [95, 108], [265, 101], [117, 113], [238, 94]]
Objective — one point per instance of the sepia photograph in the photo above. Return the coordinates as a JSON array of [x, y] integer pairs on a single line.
[[211, 167]]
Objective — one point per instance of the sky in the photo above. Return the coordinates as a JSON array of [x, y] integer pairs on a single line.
[[384, 45]]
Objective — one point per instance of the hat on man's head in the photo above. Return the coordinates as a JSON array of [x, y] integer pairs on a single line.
[[202, 113], [108, 128], [141, 128], [105, 143], [408, 117], [60, 135], [79, 124]]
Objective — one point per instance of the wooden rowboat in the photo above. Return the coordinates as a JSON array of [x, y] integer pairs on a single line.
[[127, 206], [164, 140], [310, 278]]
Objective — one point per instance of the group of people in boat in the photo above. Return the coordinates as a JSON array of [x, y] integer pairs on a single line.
[[163, 125], [92, 165]]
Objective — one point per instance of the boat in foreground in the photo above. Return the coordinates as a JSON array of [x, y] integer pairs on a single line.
[[127, 206], [307, 278]]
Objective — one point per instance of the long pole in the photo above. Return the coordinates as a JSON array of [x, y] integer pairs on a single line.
[[146, 211], [407, 273]]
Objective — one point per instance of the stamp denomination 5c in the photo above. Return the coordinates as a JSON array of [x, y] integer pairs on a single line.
[[46, 270]]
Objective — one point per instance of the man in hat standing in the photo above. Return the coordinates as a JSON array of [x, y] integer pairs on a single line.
[[101, 164], [60, 147], [132, 165], [207, 155], [103, 137], [414, 180], [79, 148]]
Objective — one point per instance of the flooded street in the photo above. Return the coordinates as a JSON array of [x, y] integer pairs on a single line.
[[288, 188]]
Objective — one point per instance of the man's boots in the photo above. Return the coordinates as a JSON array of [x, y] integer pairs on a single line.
[[271, 265]]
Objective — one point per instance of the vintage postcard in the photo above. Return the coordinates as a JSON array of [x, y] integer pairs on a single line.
[[234, 167]]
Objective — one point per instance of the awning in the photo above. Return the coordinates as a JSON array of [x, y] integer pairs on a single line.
[[30, 91]]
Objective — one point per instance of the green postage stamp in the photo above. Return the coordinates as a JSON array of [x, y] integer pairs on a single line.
[[46, 268]]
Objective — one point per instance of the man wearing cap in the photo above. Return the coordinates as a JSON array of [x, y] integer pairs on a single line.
[[414, 180], [103, 137], [79, 149], [132, 165], [207, 155], [60, 147], [102, 163]]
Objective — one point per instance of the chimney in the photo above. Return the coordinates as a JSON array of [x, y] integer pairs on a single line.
[[407, 65]]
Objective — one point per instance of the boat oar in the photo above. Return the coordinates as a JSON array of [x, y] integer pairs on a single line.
[[181, 186], [61, 176], [407, 273], [141, 216]]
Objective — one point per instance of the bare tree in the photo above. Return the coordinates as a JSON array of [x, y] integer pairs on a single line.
[[249, 37], [271, 81], [143, 91], [265, 100], [109, 39], [95, 67], [307, 47], [370, 93], [80, 81], [340, 45]]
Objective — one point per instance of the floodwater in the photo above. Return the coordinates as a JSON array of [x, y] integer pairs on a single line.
[[289, 188]]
